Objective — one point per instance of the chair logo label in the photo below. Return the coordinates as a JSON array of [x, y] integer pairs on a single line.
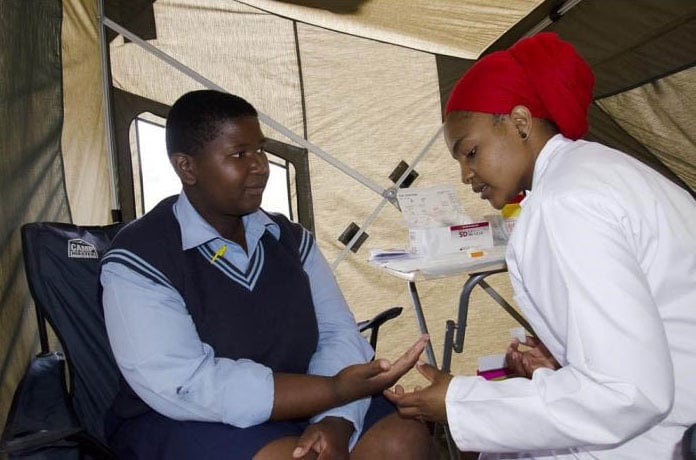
[[80, 249]]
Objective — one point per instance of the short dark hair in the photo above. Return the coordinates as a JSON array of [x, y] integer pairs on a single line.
[[195, 119]]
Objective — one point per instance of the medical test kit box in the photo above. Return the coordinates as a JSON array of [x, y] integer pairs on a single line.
[[438, 225], [429, 242]]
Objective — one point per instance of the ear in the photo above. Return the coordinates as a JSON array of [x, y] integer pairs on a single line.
[[184, 166], [522, 120]]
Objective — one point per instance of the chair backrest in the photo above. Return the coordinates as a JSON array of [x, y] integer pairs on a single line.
[[62, 267]]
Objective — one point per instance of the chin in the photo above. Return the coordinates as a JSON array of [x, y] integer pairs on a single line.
[[496, 204]]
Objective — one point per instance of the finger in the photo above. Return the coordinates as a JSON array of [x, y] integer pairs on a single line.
[[512, 358], [399, 400], [396, 394], [410, 412], [513, 347], [411, 355], [305, 443], [374, 368], [427, 371], [509, 358], [391, 396]]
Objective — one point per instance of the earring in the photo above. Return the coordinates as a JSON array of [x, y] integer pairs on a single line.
[[523, 135]]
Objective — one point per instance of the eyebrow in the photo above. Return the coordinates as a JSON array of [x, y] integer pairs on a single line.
[[262, 143], [455, 146]]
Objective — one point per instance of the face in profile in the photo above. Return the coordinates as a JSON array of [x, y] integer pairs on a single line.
[[230, 172], [491, 154]]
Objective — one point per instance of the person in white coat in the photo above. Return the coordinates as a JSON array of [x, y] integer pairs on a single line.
[[602, 260]]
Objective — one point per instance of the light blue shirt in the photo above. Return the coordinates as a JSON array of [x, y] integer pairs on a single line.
[[161, 356]]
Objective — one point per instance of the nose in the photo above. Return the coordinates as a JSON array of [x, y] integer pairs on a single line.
[[467, 173], [259, 162]]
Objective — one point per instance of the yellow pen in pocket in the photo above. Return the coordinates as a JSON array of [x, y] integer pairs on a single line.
[[219, 253]]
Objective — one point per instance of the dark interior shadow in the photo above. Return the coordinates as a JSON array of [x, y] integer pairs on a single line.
[[337, 6]]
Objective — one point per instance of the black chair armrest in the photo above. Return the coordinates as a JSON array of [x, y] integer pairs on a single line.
[[377, 321], [38, 440], [40, 414]]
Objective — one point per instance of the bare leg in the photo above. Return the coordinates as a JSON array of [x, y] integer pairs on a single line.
[[395, 437], [281, 448]]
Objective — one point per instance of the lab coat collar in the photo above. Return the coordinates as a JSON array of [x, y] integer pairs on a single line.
[[547, 153]]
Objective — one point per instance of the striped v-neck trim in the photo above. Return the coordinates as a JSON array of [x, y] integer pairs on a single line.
[[246, 279], [137, 264]]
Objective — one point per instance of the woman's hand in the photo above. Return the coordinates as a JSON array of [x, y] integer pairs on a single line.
[[361, 380], [303, 396], [523, 362], [328, 438], [425, 404]]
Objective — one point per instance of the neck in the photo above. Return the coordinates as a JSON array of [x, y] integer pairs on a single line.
[[536, 143], [228, 226]]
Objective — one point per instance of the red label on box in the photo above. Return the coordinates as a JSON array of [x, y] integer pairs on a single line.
[[469, 230]]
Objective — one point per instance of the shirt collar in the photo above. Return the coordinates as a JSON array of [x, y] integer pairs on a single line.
[[543, 159], [196, 231]]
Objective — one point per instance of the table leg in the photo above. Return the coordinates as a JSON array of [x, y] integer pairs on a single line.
[[430, 355], [452, 451]]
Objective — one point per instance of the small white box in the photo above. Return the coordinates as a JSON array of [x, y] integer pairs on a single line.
[[431, 242]]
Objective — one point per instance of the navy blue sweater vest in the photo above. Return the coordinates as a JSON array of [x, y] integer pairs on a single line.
[[265, 315]]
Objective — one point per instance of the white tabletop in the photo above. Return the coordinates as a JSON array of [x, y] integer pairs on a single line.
[[413, 268]]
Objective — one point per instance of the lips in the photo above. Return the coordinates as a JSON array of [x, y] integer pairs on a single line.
[[482, 189], [255, 189]]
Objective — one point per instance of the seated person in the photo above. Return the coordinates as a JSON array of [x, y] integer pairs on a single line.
[[231, 334]]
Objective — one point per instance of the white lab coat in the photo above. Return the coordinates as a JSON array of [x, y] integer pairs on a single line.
[[603, 264]]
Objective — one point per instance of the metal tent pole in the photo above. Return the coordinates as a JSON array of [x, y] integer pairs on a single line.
[[388, 196], [108, 125]]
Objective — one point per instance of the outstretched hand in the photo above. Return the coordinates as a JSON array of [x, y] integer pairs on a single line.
[[360, 380], [425, 404], [523, 362]]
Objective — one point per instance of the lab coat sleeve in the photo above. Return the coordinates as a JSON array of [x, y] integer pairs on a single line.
[[585, 285]]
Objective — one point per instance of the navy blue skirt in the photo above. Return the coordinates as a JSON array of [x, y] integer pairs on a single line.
[[153, 436]]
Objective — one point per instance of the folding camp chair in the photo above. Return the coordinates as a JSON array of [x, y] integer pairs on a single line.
[[62, 268], [46, 419]]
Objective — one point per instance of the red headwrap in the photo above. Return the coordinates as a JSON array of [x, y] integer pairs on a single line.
[[542, 72]]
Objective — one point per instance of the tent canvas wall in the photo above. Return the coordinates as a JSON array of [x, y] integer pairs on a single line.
[[362, 80]]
